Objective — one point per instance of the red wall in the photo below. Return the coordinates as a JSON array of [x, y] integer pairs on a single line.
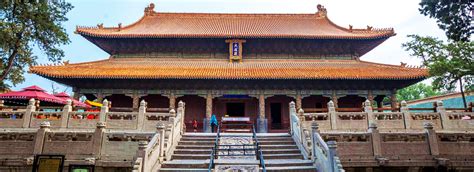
[[285, 110], [195, 109], [156, 101]]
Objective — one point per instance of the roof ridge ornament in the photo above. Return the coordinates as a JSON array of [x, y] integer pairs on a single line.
[[322, 12], [150, 9]]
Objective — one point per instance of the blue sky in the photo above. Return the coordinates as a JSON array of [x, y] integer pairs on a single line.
[[402, 15]]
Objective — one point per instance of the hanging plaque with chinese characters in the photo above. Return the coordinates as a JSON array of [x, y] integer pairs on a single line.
[[235, 49]]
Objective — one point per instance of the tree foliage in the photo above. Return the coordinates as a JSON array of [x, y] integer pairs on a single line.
[[24, 26], [448, 63], [452, 62], [417, 91], [454, 17]]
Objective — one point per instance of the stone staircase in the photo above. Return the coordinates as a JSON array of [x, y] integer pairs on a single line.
[[279, 150]]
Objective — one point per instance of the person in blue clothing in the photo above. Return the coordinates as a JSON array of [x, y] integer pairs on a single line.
[[213, 122]]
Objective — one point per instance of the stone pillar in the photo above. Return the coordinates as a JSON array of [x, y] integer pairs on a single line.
[[65, 114], [40, 137], [334, 98], [370, 113], [380, 105], [103, 111], [29, 109], [432, 138], [332, 115], [207, 121], [172, 99], [444, 117], [393, 100], [406, 114], [141, 115], [262, 122], [370, 97], [299, 101], [99, 134], [135, 101], [100, 97], [376, 144]]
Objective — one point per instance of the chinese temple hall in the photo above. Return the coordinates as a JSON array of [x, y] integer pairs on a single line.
[[241, 65]]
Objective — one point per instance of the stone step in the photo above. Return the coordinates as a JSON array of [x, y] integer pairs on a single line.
[[287, 162], [197, 139], [184, 169], [286, 146], [186, 164], [280, 151], [283, 156], [276, 142], [179, 147], [193, 151], [292, 168], [190, 156], [195, 142]]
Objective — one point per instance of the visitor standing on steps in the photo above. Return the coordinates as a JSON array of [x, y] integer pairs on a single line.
[[213, 122], [195, 125]]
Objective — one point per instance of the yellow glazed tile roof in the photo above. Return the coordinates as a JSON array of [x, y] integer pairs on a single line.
[[219, 25], [155, 68]]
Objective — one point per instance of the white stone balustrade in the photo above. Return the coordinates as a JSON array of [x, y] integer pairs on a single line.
[[389, 121]]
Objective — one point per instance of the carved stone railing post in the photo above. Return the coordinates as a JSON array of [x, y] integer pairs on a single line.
[[332, 115], [432, 138], [103, 111], [141, 153], [332, 145], [314, 130], [173, 136], [301, 118], [370, 113], [292, 111], [160, 129], [99, 134], [376, 144], [442, 112], [29, 109], [141, 115], [180, 112], [406, 114], [40, 137], [65, 114]]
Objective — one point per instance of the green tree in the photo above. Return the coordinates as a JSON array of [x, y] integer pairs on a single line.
[[24, 26], [417, 91], [451, 62], [454, 17]]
